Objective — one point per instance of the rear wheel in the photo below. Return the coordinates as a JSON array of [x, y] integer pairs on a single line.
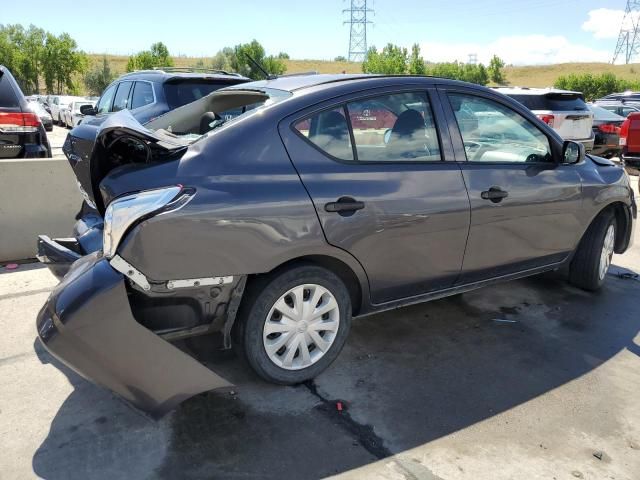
[[292, 325], [591, 262]]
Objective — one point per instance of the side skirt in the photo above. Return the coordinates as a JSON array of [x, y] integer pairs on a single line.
[[448, 292]]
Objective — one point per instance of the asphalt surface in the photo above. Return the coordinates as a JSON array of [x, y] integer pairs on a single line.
[[56, 138], [528, 379]]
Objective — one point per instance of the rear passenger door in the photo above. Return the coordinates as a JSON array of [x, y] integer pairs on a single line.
[[525, 204], [380, 174]]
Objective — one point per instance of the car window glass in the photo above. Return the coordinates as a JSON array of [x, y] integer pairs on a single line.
[[187, 91], [121, 101], [396, 127], [105, 101], [627, 110], [494, 133], [8, 98], [329, 131], [142, 95], [611, 108]]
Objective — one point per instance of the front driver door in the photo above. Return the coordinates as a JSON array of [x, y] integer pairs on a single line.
[[384, 187], [524, 203]]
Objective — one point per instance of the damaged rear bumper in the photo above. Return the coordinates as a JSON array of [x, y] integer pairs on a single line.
[[87, 324]]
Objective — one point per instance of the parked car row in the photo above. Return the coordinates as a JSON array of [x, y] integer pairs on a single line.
[[564, 111], [71, 116]]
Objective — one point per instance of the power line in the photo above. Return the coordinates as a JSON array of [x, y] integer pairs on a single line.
[[628, 38], [358, 21]]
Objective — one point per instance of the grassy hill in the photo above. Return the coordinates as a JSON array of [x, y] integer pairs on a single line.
[[529, 76]]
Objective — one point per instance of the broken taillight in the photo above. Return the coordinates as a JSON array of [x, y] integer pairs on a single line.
[[19, 122]]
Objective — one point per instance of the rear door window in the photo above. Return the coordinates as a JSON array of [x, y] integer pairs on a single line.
[[396, 127], [328, 131], [389, 128], [104, 104], [142, 95], [121, 102]]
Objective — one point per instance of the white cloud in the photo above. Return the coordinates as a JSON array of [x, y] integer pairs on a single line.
[[517, 50], [604, 23]]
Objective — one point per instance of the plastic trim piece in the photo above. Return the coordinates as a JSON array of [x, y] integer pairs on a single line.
[[129, 271]]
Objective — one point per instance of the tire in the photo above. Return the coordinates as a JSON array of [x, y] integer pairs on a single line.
[[591, 262], [261, 324]]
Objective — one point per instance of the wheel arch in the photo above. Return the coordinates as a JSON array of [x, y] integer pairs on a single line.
[[338, 267], [624, 221]]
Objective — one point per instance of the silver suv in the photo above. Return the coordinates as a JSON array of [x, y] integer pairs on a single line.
[[563, 110]]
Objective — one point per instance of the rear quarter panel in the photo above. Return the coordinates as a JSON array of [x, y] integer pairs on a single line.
[[250, 213]]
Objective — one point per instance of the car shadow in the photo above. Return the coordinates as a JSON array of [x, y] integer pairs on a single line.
[[404, 379]]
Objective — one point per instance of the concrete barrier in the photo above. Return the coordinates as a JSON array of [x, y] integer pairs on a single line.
[[36, 197]]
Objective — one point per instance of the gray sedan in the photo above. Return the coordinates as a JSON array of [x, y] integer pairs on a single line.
[[273, 212]]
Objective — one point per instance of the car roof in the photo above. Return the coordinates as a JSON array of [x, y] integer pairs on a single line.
[[532, 91], [295, 82], [161, 76]]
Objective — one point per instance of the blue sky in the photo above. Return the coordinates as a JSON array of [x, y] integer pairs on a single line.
[[522, 32]]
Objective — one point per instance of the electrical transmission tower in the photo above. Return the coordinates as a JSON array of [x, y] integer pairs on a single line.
[[358, 21], [629, 37]]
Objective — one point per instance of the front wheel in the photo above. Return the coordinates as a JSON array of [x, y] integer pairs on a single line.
[[591, 262], [292, 325]]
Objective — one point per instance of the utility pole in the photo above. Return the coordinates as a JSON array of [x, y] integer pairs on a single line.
[[358, 21], [629, 37]]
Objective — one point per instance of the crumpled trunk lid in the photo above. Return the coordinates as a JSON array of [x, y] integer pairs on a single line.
[[96, 147]]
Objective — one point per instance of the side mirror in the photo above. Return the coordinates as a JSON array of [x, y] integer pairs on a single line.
[[572, 152], [87, 110]]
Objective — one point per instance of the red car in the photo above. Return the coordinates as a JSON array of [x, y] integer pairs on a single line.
[[630, 139]]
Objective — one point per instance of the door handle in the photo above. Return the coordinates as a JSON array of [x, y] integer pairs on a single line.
[[344, 205], [495, 194]]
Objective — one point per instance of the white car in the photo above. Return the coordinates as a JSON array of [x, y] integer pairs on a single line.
[[59, 103], [71, 116], [563, 110]]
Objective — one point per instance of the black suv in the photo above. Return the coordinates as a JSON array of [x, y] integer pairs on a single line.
[[22, 134], [151, 93]]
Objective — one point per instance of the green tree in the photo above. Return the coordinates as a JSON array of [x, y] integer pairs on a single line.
[[595, 86], [222, 59], [157, 56], [416, 62], [283, 56], [495, 70], [98, 78], [391, 60], [340, 58], [240, 62]]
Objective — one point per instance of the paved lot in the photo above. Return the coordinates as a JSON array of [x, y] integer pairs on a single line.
[[56, 139], [529, 379]]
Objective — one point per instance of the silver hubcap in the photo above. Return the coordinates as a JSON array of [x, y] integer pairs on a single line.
[[301, 327], [607, 251]]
